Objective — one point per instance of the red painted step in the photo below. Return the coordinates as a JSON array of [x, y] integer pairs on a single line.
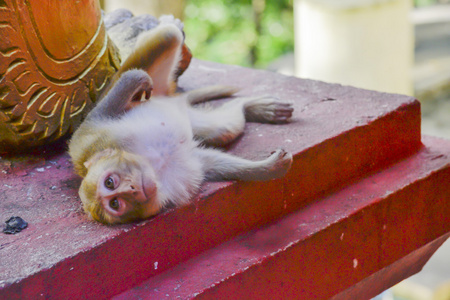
[[330, 245], [338, 135]]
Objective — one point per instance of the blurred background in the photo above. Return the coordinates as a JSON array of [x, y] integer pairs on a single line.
[[397, 46]]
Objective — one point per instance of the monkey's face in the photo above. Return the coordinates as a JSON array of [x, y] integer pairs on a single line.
[[119, 187]]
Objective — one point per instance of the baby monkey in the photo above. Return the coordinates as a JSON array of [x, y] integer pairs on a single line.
[[137, 160], [138, 157]]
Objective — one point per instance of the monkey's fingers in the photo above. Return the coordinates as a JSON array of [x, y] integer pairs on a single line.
[[278, 164], [138, 99], [282, 115], [142, 94]]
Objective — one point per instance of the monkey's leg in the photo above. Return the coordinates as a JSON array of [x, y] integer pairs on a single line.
[[222, 125], [218, 166], [157, 52], [210, 93], [218, 126]]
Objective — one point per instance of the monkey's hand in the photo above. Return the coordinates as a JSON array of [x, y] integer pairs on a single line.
[[278, 164], [130, 89], [142, 94]]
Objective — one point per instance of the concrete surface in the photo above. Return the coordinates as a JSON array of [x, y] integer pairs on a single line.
[[61, 247], [338, 135]]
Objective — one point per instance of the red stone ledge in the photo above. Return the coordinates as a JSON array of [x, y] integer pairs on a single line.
[[351, 245], [338, 135]]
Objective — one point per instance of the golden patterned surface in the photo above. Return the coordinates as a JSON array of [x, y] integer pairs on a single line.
[[55, 59]]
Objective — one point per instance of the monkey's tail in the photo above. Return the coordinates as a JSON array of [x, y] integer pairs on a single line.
[[210, 93]]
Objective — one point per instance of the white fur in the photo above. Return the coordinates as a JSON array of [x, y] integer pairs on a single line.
[[160, 131]]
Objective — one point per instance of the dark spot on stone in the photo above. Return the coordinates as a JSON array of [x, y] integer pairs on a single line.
[[15, 225], [72, 183]]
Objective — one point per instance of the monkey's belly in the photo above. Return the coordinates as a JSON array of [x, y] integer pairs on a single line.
[[161, 131], [159, 119]]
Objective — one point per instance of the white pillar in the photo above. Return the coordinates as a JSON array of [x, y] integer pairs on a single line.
[[363, 43]]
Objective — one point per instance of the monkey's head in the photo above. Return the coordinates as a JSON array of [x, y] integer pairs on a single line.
[[119, 187]]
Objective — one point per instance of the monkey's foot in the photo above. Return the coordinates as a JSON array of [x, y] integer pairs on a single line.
[[268, 110], [278, 164], [170, 19]]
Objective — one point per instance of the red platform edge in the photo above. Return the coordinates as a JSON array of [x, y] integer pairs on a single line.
[[350, 245], [128, 259]]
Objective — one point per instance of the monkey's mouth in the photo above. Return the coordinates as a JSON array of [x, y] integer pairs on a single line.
[[148, 188], [144, 188]]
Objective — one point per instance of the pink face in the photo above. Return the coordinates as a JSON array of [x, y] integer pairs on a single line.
[[119, 192], [122, 192], [120, 187]]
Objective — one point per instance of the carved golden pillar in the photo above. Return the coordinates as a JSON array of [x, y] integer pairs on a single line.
[[55, 59]]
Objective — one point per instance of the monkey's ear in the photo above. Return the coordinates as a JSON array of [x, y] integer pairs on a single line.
[[94, 158]]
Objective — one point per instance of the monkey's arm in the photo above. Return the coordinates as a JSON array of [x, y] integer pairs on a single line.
[[218, 166], [129, 89]]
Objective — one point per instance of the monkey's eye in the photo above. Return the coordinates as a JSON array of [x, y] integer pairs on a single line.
[[109, 183], [114, 204]]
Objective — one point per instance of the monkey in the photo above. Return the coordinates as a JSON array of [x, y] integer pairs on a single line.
[[138, 160], [144, 148]]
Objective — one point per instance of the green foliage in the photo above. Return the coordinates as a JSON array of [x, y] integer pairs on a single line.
[[226, 31], [419, 3]]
